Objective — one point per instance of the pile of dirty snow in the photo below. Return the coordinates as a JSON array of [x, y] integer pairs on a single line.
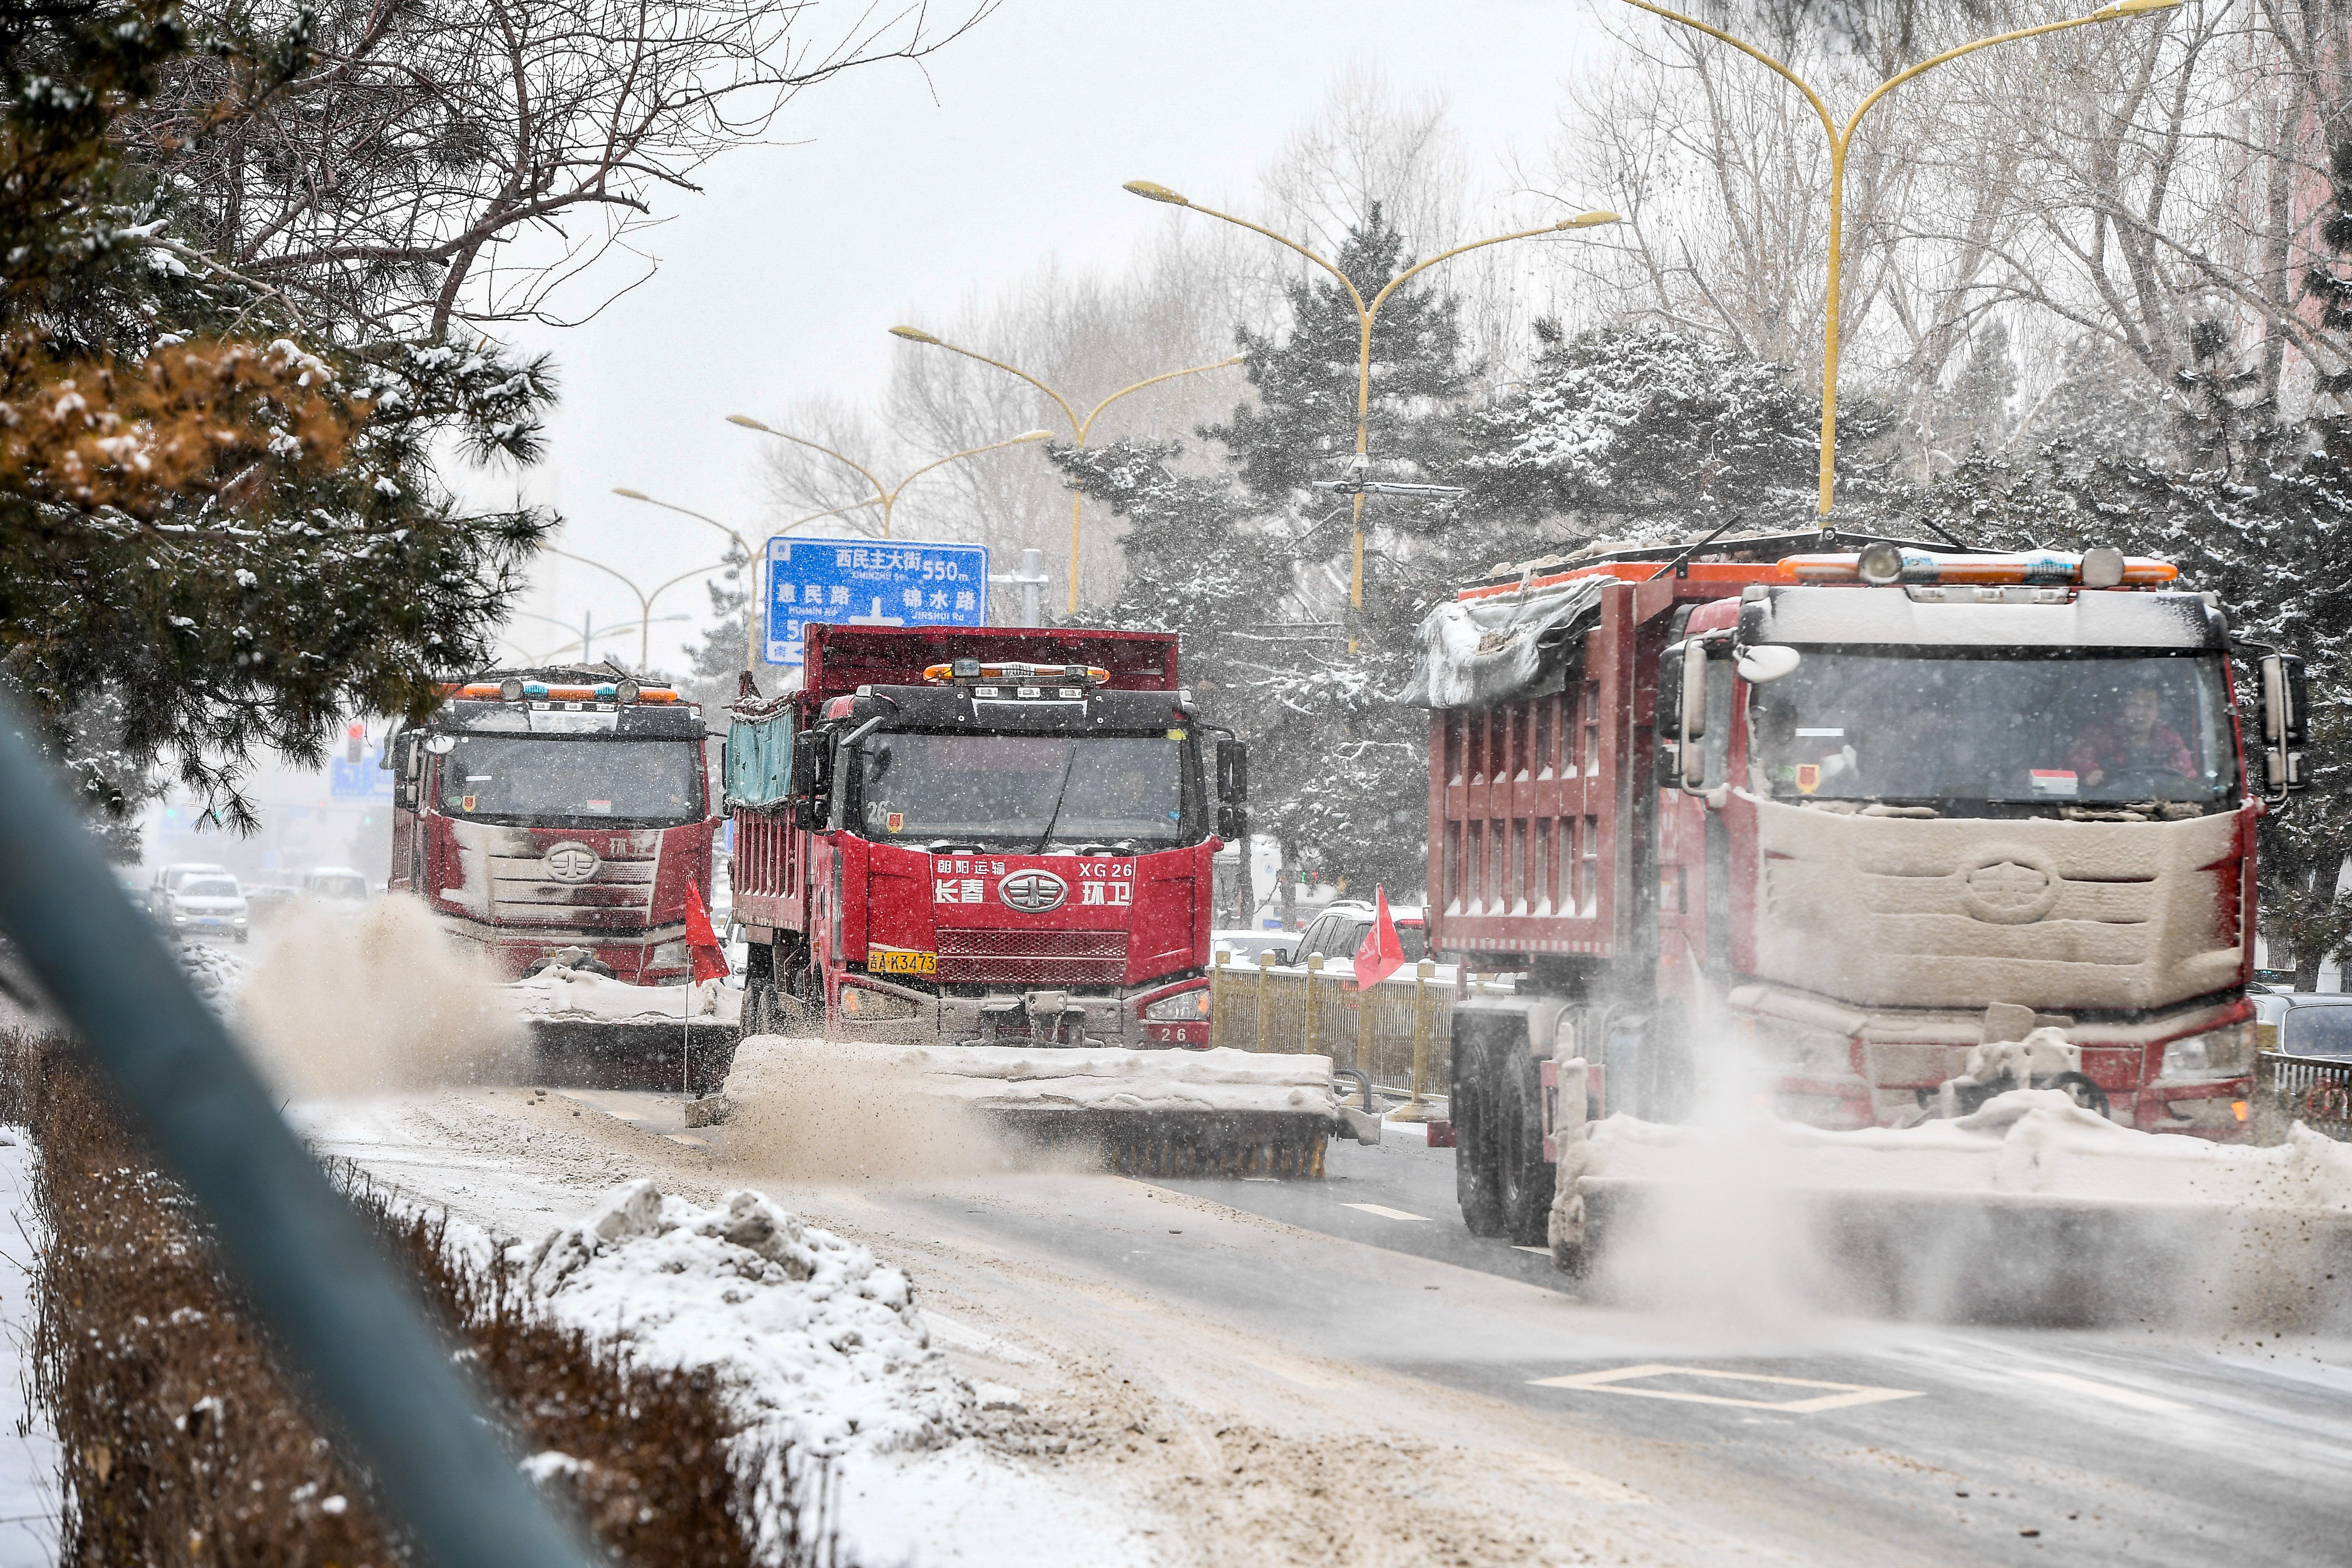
[[811, 1339], [215, 974], [560, 993], [2023, 1142]]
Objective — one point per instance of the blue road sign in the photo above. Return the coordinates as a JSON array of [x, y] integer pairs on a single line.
[[870, 582], [359, 780]]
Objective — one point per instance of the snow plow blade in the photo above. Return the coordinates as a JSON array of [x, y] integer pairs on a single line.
[[590, 1031], [1152, 1142], [605, 1053], [2031, 1211]]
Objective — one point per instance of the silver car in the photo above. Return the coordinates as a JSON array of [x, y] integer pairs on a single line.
[[2307, 1023], [206, 905]]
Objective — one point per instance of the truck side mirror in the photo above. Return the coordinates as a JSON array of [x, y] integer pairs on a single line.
[[1233, 791], [811, 777], [1693, 728], [2285, 725]]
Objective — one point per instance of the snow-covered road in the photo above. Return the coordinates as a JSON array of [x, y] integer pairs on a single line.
[[1312, 1372]]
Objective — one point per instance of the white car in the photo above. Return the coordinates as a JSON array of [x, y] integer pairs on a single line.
[[206, 905], [1245, 945], [335, 885]]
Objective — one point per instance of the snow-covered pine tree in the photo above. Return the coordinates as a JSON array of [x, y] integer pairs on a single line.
[[1640, 432], [1251, 565]]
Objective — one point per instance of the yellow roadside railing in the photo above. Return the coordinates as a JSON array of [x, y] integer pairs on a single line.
[[1400, 1040]]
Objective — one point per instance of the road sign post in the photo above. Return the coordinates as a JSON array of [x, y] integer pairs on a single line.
[[869, 583]]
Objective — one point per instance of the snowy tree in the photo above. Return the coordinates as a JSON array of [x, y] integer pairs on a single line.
[[1642, 432], [220, 524]]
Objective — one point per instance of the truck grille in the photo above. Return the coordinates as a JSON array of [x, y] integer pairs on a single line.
[[1033, 957], [619, 894]]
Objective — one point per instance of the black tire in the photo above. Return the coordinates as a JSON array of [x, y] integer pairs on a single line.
[[1523, 1177], [1475, 1186]]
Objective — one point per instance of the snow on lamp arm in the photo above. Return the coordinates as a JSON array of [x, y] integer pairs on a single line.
[[1153, 192], [1079, 427], [1840, 139]]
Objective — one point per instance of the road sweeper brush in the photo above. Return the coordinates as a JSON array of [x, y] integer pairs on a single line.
[[2029, 1209], [1142, 1113], [591, 1031]]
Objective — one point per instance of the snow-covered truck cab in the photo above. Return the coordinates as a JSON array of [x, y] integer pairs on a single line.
[[545, 809], [1878, 807], [1001, 836]]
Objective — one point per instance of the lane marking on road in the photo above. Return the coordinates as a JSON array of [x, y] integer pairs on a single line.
[[1615, 1380], [1538, 1251], [1386, 1213], [2132, 1397]]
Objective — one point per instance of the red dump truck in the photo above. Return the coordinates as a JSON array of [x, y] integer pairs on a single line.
[[976, 836], [567, 808], [1867, 808]]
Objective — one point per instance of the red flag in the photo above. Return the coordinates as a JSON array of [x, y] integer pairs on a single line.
[[709, 958], [1382, 954]]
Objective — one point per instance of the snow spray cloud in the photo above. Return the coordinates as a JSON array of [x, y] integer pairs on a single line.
[[1717, 1244], [343, 1005], [833, 1110]]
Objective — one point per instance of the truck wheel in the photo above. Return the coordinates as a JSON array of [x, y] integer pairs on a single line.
[[1523, 1177], [1475, 1186]]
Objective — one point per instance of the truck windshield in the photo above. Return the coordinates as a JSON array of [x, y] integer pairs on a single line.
[[1943, 727], [1002, 790], [547, 780]]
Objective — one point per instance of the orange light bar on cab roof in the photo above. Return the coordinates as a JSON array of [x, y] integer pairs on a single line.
[[1091, 675], [2041, 568], [488, 690]]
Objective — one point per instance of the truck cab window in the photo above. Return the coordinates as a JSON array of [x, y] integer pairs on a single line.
[[547, 780], [1022, 791]]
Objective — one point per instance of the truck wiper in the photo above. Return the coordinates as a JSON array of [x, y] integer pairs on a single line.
[[1047, 838]]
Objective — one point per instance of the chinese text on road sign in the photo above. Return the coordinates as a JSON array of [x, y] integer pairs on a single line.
[[870, 582]]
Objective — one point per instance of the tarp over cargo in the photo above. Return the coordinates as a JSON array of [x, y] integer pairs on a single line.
[[759, 757], [1477, 651]]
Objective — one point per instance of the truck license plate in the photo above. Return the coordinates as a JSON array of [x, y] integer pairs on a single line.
[[900, 961]]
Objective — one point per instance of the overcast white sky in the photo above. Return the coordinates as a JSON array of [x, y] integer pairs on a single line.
[[911, 187]]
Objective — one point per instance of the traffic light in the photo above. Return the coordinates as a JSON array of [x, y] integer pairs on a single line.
[[356, 744]]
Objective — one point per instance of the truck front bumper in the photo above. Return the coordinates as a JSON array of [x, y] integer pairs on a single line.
[[869, 1006], [1839, 1067]]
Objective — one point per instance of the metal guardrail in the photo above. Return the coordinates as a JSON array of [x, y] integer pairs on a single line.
[[1400, 1040], [307, 1263], [2314, 1090]]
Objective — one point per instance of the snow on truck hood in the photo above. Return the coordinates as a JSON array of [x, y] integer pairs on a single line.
[[559, 992], [2026, 1141]]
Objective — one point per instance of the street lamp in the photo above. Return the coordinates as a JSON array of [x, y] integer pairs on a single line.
[[753, 607], [644, 600], [583, 642], [887, 496], [1078, 428], [1152, 191], [1840, 139]]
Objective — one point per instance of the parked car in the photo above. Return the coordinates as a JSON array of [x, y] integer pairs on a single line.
[[1245, 945], [2307, 1023], [1342, 928], [206, 905]]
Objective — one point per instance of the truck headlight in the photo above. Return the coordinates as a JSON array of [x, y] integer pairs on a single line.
[[671, 954], [179, 919], [1184, 1007], [2216, 1054]]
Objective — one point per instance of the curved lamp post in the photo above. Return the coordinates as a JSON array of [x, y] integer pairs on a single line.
[[1078, 427], [644, 600], [885, 494], [751, 608], [1840, 139], [1365, 312]]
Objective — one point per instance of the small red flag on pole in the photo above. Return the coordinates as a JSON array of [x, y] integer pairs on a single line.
[[1382, 954], [701, 942]]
